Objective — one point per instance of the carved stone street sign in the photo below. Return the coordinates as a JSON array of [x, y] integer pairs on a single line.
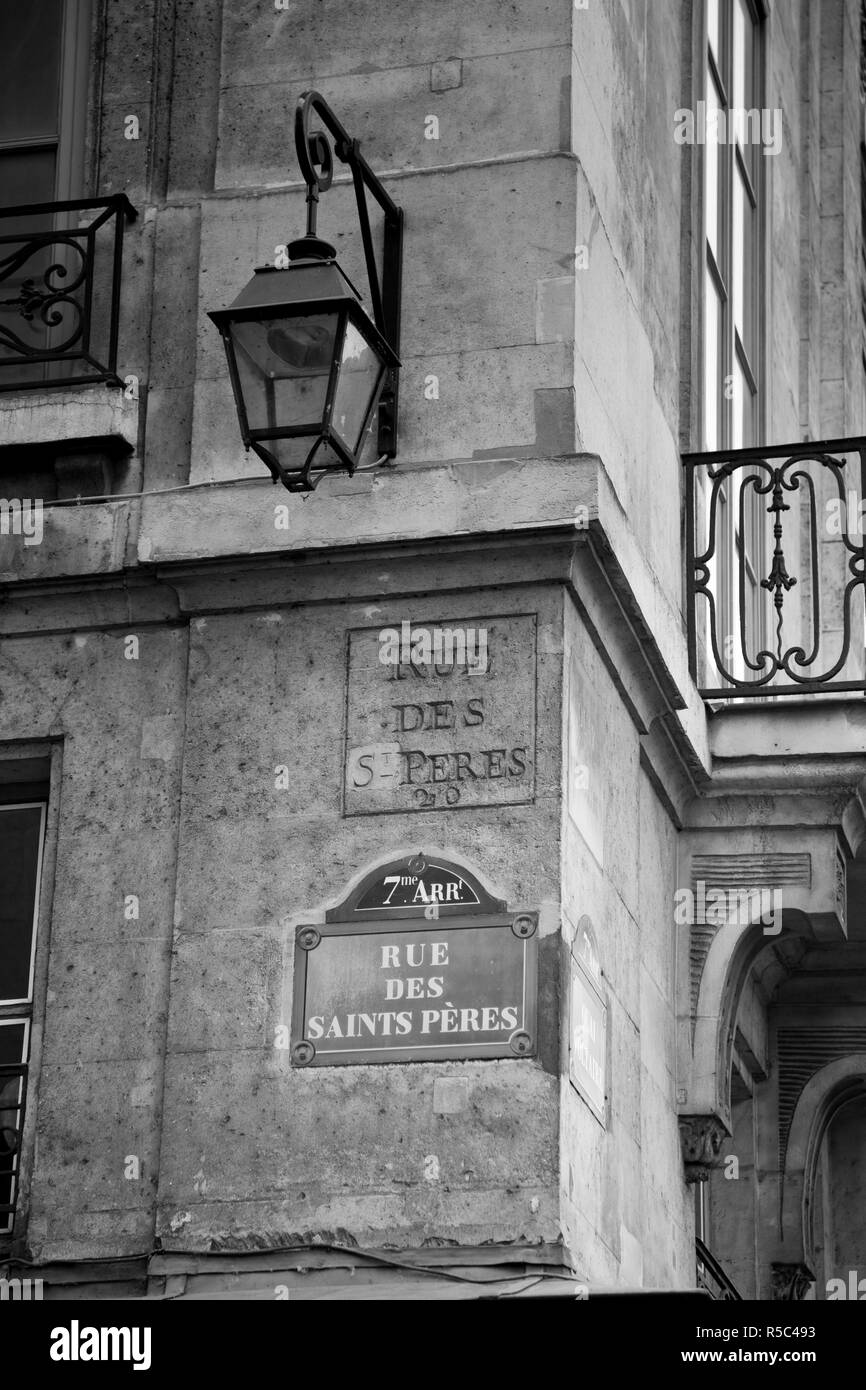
[[442, 717]]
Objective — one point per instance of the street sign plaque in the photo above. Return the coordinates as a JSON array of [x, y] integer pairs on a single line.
[[418, 964]]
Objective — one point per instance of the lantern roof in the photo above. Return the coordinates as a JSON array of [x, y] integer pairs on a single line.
[[313, 283]]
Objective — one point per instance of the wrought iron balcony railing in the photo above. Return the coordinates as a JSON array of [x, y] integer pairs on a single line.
[[60, 292], [711, 1276], [13, 1087], [776, 569]]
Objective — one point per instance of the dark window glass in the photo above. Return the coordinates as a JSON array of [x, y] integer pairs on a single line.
[[12, 1041], [30, 35], [20, 833], [26, 176]]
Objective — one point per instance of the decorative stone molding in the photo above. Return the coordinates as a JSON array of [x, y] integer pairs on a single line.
[[750, 847], [791, 1282], [722, 884], [752, 870], [701, 1138]]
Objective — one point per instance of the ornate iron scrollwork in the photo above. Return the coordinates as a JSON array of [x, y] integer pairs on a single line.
[[33, 300], [48, 313], [746, 663]]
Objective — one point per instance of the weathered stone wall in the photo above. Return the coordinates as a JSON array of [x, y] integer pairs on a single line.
[[100, 1027], [253, 1148], [626, 87], [626, 1209]]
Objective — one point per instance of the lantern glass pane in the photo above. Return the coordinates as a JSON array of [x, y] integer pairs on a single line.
[[284, 365], [361, 370]]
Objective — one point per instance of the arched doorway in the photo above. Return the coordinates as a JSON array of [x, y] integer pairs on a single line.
[[836, 1210]]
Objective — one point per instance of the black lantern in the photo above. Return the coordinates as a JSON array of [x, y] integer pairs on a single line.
[[309, 367]]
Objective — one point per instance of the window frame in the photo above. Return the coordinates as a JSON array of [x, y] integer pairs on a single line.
[[718, 267], [69, 143], [30, 774], [15, 1011], [741, 550]]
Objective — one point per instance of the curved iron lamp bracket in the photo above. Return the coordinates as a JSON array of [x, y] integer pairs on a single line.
[[316, 161]]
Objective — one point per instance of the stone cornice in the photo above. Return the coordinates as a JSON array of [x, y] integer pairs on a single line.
[[449, 529]]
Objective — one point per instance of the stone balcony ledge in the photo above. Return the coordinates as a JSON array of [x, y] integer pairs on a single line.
[[30, 418]]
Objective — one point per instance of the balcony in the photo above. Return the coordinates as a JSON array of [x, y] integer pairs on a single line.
[[775, 570], [60, 275]]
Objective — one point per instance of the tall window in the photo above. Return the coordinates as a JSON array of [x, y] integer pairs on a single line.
[[22, 831], [734, 199], [43, 71]]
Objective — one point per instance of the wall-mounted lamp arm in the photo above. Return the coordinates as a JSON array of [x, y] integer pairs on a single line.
[[317, 167]]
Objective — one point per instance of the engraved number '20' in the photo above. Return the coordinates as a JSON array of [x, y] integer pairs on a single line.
[[427, 798]]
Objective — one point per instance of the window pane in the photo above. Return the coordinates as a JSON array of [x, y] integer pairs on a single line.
[[285, 367], [745, 264], [739, 388], [745, 87], [20, 838], [743, 422], [26, 176], [738, 95], [12, 1036], [738, 282], [712, 174], [30, 33], [713, 27], [360, 372], [30, 68], [712, 362], [745, 34]]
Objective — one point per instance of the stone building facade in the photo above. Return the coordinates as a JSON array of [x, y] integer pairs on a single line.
[[203, 755]]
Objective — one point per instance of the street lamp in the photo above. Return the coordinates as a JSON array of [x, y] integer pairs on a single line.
[[308, 365]]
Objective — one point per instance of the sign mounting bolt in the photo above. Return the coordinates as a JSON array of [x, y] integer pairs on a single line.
[[524, 926]]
